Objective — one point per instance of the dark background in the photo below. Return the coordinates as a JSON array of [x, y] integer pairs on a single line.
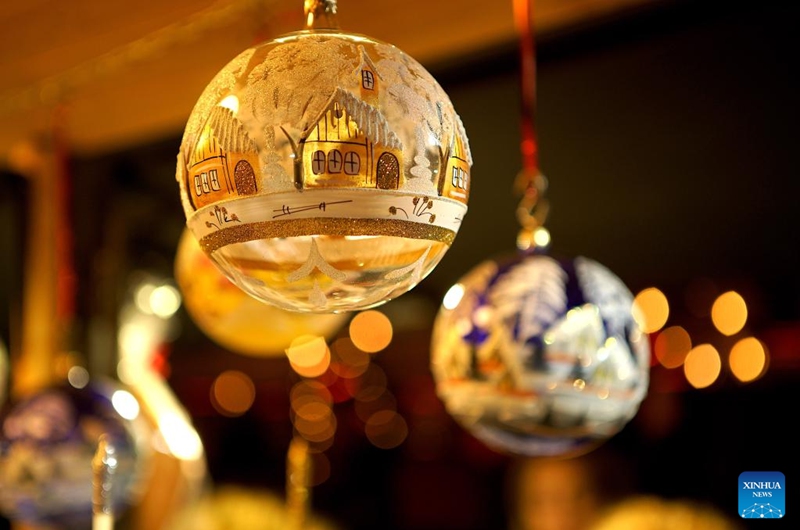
[[669, 140]]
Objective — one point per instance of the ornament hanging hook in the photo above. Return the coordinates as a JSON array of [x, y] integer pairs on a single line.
[[321, 14], [530, 183]]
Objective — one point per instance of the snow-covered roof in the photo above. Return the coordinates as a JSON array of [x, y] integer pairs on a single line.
[[229, 131], [465, 140], [368, 118]]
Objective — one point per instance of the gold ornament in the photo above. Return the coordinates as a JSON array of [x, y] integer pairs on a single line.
[[233, 319], [324, 171]]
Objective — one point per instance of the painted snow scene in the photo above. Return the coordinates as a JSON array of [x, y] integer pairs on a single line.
[[324, 171], [540, 357]]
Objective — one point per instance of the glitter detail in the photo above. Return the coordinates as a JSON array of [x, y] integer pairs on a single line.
[[244, 176], [415, 269], [284, 87], [316, 261], [324, 226], [422, 168]]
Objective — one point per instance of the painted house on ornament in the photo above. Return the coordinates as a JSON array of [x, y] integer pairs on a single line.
[[455, 179], [222, 163], [351, 143]]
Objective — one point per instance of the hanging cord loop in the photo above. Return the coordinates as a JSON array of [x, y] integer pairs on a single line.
[[530, 184]]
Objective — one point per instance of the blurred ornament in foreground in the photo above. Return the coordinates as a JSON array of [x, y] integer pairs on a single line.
[[232, 318], [324, 171], [243, 508], [540, 357], [4, 365], [47, 444]]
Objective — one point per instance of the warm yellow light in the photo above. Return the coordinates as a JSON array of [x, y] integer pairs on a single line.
[[231, 103], [747, 359], [313, 411], [315, 370], [164, 301], [541, 237], [672, 345], [702, 366], [650, 310], [316, 429], [232, 393], [371, 331], [309, 355], [142, 297], [181, 438], [125, 404], [729, 313], [309, 391], [135, 339], [453, 296]]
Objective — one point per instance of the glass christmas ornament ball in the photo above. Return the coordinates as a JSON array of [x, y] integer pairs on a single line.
[[540, 357], [47, 442], [324, 171], [232, 318]]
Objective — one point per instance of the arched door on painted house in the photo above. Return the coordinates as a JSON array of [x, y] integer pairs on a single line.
[[388, 172], [245, 178]]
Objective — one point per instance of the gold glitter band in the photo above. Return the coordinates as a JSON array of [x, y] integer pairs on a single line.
[[324, 226]]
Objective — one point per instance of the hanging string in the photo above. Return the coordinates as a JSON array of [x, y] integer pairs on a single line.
[[523, 19], [530, 182], [65, 268]]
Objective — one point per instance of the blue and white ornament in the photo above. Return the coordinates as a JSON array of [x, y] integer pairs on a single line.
[[47, 442], [540, 357]]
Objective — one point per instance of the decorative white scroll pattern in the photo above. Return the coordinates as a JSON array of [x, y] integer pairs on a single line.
[[316, 261], [415, 269], [335, 204]]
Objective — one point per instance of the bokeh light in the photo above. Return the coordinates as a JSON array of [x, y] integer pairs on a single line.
[[453, 296], [309, 390], [125, 404], [309, 355], [347, 361], [160, 300], [541, 237], [650, 310], [748, 359], [372, 384], [165, 300], [232, 393], [316, 429], [312, 411], [729, 313], [386, 429], [671, 346], [181, 438], [702, 366], [371, 331], [78, 376]]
